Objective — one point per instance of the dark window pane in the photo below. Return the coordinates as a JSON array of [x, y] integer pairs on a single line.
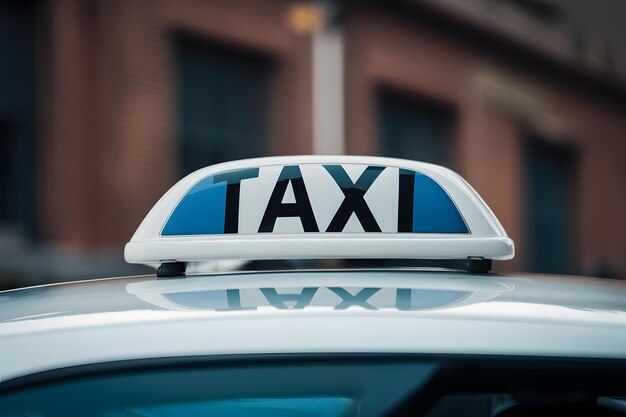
[[269, 390], [412, 129], [549, 181], [7, 170], [468, 405], [224, 103], [17, 138]]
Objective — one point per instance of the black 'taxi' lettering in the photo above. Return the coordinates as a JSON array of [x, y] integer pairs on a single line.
[[405, 201], [233, 180], [301, 208], [353, 201]]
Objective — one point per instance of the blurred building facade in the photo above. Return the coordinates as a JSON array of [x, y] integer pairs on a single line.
[[105, 104]]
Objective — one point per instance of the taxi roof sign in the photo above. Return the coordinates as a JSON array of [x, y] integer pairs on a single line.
[[319, 207]]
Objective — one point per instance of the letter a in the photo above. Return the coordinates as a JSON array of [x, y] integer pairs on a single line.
[[301, 208]]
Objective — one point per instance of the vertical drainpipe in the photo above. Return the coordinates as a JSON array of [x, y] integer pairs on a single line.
[[328, 83]]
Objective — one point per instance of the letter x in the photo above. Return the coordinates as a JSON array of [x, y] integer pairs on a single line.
[[354, 201], [359, 299]]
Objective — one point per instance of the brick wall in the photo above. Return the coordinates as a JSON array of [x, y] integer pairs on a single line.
[[109, 135], [109, 144], [496, 98]]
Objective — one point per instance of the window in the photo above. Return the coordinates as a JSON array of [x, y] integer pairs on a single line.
[[329, 386], [224, 104], [17, 138], [7, 171], [262, 389], [413, 129], [550, 174]]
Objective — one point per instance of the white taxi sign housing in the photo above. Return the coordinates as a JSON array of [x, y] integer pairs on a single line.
[[319, 207]]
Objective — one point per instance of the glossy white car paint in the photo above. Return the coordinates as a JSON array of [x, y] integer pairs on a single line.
[[486, 238], [382, 311]]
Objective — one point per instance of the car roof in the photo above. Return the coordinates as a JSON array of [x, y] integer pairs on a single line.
[[328, 311]]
